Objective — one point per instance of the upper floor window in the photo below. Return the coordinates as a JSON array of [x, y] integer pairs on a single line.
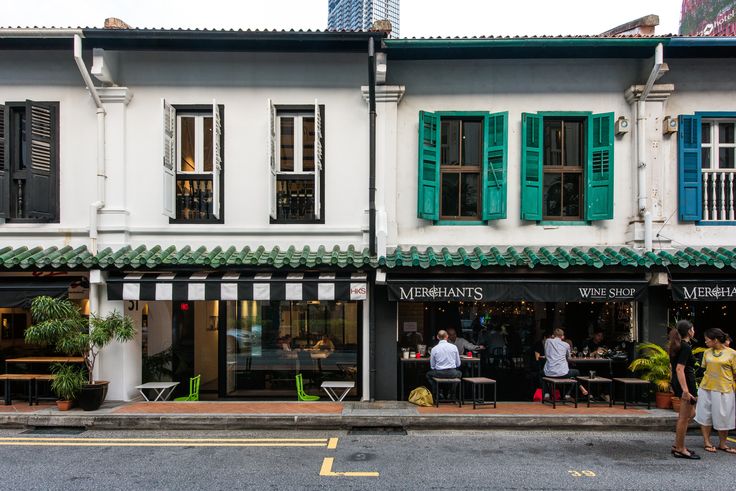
[[707, 167], [297, 164], [193, 162], [29, 162], [567, 166], [462, 166]]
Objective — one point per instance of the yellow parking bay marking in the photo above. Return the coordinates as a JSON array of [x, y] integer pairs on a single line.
[[326, 470], [165, 442], [332, 444]]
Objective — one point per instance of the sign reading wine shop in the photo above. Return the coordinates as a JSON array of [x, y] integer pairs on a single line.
[[532, 291], [697, 291]]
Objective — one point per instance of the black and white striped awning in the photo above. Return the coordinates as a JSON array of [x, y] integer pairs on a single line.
[[237, 286]]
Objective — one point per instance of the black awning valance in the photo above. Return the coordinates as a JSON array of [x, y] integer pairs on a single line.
[[530, 290], [237, 286], [19, 291], [704, 290]]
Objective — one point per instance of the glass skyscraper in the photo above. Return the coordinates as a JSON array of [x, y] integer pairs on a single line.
[[361, 14]]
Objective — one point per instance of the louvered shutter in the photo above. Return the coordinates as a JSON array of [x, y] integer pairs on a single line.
[[532, 170], [272, 158], [428, 185], [4, 165], [317, 161], [41, 147], [217, 159], [599, 168], [168, 115], [689, 169], [494, 166]]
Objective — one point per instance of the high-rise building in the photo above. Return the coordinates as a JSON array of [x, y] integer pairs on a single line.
[[361, 14], [708, 18]]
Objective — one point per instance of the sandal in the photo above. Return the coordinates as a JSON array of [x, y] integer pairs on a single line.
[[728, 449], [673, 449], [680, 455], [710, 448]]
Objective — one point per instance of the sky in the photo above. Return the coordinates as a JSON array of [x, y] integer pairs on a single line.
[[419, 18]]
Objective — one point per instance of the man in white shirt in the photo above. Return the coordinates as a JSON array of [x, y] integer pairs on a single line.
[[557, 351], [444, 360], [462, 344]]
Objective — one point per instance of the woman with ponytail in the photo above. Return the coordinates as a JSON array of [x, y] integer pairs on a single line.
[[716, 403], [683, 383]]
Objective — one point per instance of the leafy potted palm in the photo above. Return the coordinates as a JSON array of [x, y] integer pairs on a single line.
[[653, 364], [68, 382], [60, 323]]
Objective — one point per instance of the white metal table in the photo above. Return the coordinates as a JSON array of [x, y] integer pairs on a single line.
[[163, 390], [331, 387]]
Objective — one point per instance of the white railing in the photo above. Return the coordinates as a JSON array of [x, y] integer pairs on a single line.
[[718, 195]]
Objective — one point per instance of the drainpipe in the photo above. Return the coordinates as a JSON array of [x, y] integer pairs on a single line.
[[372, 211], [641, 120]]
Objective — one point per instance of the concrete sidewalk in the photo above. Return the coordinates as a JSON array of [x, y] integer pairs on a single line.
[[332, 415]]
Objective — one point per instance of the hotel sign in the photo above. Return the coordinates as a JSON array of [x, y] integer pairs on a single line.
[[533, 291], [693, 291]]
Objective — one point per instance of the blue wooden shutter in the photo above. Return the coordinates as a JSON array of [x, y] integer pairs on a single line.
[[495, 151], [428, 187], [531, 166], [689, 169], [599, 168], [4, 165]]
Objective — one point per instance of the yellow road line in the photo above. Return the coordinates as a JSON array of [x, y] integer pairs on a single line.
[[47, 443], [731, 439], [326, 470], [332, 444], [322, 441]]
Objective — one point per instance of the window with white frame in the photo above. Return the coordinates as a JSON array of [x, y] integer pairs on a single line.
[[193, 163], [296, 164], [717, 165]]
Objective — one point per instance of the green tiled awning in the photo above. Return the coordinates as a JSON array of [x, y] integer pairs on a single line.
[[305, 257]]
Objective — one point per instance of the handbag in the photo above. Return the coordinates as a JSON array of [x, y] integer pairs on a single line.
[[421, 396]]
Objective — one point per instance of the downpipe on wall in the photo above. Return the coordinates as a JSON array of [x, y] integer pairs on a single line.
[[372, 212]]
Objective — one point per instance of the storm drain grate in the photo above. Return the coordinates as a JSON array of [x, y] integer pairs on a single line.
[[55, 430], [377, 430]]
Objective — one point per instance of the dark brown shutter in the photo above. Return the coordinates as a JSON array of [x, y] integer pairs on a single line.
[[41, 190], [4, 164]]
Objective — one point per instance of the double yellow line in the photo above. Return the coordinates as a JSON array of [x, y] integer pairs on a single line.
[[167, 442]]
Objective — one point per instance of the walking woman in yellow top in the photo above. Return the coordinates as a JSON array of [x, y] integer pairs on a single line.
[[716, 406]]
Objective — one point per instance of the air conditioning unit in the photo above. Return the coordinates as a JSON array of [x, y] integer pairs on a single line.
[[669, 125]]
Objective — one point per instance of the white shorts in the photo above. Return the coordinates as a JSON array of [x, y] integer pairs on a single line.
[[716, 409]]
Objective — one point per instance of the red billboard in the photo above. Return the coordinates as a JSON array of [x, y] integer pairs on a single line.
[[708, 18]]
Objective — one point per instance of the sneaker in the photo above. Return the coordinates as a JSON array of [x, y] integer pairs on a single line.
[[547, 398], [568, 397], [606, 397]]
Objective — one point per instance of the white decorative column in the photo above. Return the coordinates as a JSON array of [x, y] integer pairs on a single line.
[[387, 116], [113, 219]]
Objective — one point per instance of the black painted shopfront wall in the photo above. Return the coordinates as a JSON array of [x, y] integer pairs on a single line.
[[386, 362]]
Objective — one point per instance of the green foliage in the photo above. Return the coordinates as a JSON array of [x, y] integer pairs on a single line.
[[156, 367], [60, 323], [653, 365], [69, 380]]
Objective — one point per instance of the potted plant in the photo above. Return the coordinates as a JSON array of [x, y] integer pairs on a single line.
[[68, 382], [654, 366], [60, 323]]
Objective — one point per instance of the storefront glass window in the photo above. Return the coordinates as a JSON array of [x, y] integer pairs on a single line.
[[268, 343]]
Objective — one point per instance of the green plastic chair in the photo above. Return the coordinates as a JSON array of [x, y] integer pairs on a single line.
[[193, 390], [300, 394]]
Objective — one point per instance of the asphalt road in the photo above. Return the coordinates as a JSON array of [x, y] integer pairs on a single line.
[[338, 460]]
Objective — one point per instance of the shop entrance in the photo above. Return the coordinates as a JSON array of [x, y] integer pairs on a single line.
[[511, 333]]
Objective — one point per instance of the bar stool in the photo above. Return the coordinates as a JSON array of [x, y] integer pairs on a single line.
[[634, 383], [454, 387], [554, 382], [600, 383], [478, 385]]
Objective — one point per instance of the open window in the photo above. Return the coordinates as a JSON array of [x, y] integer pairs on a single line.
[[296, 141], [193, 163], [29, 161]]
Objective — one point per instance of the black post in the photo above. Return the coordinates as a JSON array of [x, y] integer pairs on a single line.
[[372, 209]]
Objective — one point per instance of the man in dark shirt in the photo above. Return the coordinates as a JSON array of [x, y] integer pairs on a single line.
[[595, 342]]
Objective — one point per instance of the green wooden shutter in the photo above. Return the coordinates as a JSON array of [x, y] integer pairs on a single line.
[[495, 151], [531, 166], [599, 168], [689, 169], [428, 186], [4, 165]]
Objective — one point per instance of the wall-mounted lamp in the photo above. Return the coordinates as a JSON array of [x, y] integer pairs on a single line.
[[669, 125], [622, 126]]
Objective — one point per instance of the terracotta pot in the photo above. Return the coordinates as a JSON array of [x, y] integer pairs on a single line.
[[64, 405], [663, 400], [676, 401]]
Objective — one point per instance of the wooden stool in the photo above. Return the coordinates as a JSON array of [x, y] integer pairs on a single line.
[[454, 384], [597, 381], [478, 385], [634, 382], [554, 382]]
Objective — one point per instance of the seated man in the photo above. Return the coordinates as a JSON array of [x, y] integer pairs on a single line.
[[443, 361], [462, 344], [325, 344], [595, 342], [557, 351]]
